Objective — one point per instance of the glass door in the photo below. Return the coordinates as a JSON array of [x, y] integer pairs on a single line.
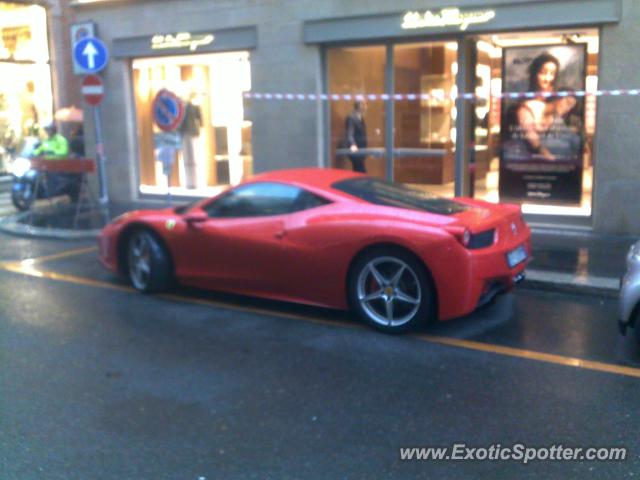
[[356, 84], [424, 115]]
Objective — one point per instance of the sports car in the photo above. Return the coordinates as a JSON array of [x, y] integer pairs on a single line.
[[396, 256]]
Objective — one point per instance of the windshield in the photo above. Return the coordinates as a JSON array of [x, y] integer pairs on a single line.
[[180, 209], [380, 192]]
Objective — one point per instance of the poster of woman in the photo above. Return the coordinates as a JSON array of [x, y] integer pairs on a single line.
[[542, 130]]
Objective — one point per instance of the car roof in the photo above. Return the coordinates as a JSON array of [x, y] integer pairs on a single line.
[[321, 178]]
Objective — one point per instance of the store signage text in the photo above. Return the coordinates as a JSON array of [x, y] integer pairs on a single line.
[[180, 40], [447, 17]]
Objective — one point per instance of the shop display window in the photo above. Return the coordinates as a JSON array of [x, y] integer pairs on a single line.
[[212, 145], [532, 125], [536, 148], [26, 99]]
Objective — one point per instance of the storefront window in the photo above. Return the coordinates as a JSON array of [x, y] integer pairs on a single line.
[[213, 143], [424, 136], [357, 120], [534, 126], [25, 78]]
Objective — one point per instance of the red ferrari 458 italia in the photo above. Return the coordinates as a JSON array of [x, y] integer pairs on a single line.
[[396, 256]]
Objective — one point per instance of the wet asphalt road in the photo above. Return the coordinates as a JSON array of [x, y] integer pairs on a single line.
[[103, 383]]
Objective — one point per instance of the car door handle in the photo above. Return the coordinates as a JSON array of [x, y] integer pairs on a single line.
[[279, 235]]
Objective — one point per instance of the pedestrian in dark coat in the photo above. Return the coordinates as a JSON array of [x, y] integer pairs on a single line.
[[356, 136]]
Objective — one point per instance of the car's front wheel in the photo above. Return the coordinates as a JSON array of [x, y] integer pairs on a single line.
[[390, 290], [148, 263]]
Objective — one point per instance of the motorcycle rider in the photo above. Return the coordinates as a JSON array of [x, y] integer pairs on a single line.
[[55, 146]]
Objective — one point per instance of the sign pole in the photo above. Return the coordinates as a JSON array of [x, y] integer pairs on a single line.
[[91, 55], [168, 114], [93, 94], [100, 156], [168, 175]]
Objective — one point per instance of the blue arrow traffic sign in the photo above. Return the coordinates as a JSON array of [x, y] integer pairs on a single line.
[[91, 54]]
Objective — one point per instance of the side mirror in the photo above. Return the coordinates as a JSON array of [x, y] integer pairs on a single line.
[[195, 217]]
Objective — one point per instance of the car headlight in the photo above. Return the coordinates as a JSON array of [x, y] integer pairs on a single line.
[[20, 166]]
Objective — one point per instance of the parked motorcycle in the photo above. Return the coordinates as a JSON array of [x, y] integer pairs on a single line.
[[48, 185]]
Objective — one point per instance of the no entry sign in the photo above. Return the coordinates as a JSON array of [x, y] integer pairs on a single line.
[[92, 89], [168, 110]]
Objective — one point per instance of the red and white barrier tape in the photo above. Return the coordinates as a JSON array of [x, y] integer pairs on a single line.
[[337, 97]]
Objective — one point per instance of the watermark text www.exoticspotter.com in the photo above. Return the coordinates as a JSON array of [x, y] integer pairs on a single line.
[[514, 453]]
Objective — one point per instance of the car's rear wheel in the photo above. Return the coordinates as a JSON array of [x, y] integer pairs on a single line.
[[391, 291], [148, 263]]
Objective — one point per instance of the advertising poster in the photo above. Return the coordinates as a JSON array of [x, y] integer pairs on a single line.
[[542, 131]]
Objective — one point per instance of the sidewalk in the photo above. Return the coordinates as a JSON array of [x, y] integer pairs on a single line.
[[6, 207], [577, 262], [563, 260]]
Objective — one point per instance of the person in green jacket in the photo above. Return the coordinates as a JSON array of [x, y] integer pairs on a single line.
[[55, 147]]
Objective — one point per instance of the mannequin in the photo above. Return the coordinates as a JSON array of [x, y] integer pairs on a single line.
[[190, 131]]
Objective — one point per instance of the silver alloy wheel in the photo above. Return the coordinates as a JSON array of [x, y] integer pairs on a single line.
[[140, 261], [389, 291]]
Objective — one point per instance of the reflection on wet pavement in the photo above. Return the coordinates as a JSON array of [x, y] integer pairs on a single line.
[[570, 325], [581, 256], [64, 216]]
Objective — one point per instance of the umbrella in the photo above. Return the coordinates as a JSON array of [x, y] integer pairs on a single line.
[[69, 114]]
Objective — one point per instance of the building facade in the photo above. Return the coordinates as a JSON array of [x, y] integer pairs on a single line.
[[528, 101], [35, 69]]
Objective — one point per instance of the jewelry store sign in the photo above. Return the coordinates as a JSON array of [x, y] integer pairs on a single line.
[[447, 17], [183, 40]]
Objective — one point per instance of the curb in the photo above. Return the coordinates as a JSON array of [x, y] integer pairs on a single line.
[[568, 283], [12, 226]]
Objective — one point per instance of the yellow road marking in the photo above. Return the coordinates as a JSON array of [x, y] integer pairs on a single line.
[[56, 256], [28, 269], [18, 267], [532, 355]]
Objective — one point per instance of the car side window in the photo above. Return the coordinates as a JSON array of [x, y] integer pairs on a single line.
[[254, 200], [307, 200], [262, 199]]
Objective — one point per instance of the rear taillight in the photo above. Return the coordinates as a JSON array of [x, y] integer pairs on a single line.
[[462, 234], [466, 238], [474, 240], [483, 239]]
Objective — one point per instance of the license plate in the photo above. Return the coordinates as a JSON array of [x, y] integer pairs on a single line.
[[517, 256]]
